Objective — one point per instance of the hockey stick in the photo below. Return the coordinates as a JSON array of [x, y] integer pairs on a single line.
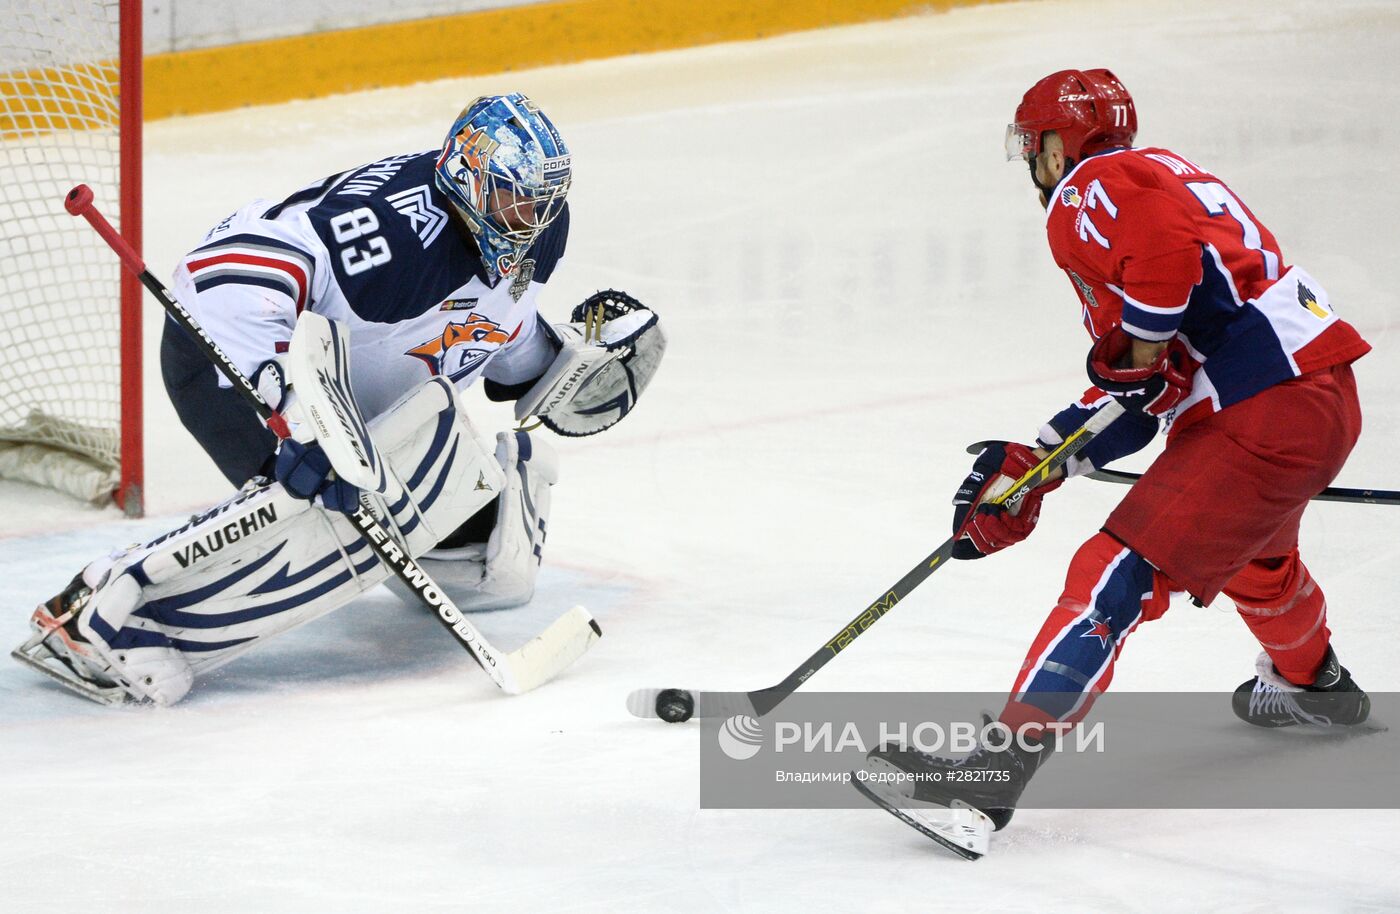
[[1331, 493], [529, 666], [676, 705]]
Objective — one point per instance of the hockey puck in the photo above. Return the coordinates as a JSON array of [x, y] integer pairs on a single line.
[[675, 705]]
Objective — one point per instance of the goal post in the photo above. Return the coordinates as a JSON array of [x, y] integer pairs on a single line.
[[70, 317], [130, 494]]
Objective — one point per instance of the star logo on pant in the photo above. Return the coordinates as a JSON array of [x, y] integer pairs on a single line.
[[1099, 629]]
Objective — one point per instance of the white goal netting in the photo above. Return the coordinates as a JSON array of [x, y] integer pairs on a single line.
[[59, 283]]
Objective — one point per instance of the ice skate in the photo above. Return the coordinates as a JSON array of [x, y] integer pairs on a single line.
[[1269, 700], [956, 802], [58, 649]]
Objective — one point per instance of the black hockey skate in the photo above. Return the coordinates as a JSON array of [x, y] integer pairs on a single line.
[[1269, 700], [58, 649], [956, 802]]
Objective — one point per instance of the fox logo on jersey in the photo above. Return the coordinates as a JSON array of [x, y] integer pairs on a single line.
[[462, 347]]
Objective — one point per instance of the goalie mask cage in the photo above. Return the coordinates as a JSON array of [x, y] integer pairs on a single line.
[[70, 323]]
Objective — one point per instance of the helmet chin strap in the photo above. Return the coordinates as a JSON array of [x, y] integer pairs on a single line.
[[1050, 190]]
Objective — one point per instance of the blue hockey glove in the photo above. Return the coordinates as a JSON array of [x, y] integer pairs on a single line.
[[305, 472]]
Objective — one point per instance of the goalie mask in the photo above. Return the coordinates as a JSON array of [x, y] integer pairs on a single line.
[[507, 171]]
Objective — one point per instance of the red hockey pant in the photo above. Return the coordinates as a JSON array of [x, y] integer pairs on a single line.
[[1219, 510]]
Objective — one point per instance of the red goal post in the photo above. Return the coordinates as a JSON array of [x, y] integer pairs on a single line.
[[70, 316]]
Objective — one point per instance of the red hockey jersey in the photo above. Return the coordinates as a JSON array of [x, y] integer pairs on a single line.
[[1155, 243]]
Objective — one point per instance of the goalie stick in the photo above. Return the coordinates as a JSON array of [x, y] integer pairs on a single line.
[[1331, 493], [648, 702], [529, 666]]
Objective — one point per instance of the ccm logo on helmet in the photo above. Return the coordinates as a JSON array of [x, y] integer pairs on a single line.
[[1083, 97]]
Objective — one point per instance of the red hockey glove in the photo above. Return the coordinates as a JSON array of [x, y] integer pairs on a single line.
[[983, 528], [1154, 390]]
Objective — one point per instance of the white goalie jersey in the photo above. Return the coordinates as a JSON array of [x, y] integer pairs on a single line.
[[404, 294], [377, 249]]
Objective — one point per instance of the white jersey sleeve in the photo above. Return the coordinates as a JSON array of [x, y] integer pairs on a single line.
[[247, 282], [526, 357]]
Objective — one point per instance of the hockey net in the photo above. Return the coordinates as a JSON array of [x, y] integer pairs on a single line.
[[69, 361]]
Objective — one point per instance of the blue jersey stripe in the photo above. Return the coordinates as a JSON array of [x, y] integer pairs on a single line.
[[254, 241], [238, 278], [1132, 432]]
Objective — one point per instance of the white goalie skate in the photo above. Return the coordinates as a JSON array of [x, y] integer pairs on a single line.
[[60, 652]]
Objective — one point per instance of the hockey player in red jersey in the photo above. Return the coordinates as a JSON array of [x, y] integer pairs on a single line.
[[1198, 324]]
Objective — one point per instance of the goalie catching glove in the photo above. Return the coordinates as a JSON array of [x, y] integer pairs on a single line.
[[608, 354]]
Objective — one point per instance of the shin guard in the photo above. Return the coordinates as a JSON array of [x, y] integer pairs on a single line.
[[1109, 590], [1286, 611]]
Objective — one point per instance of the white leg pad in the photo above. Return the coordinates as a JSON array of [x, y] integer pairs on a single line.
[[501, 572], [263, 562]]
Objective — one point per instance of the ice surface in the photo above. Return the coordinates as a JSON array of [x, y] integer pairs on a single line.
[[855, 286]]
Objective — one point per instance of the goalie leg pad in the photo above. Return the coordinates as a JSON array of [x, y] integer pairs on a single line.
[[501, 570], [163, 613]]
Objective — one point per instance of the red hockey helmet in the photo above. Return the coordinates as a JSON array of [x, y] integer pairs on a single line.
[[1089, 109]]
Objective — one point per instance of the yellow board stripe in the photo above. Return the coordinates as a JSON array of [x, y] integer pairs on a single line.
[[488, 41], [78, 97], [401, 53]]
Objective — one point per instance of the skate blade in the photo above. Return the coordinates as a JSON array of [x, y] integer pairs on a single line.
[[37, 659], [51, 652], [1334, 733], [960, 828]]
